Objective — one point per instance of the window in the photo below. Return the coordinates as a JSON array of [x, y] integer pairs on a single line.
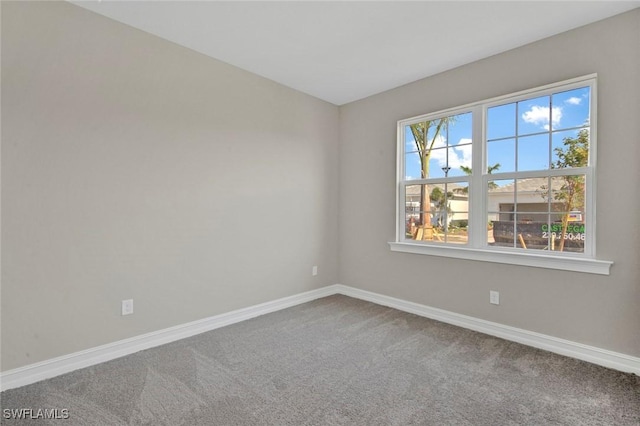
[[510, 179]]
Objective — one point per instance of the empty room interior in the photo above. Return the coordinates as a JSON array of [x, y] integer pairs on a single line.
[[320, 212]]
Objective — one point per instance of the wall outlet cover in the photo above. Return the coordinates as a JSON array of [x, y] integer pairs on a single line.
[[127, 307]]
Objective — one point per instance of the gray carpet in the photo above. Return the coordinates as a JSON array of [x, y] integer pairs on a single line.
[[337, 361]]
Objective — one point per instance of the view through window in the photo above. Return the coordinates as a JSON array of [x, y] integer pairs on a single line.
[[513, 172]]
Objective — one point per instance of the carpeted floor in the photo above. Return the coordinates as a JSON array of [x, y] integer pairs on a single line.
[[338, 360]]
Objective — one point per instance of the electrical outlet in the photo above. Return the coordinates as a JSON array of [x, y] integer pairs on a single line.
[[494, 297], [127, 307], [314, 271]]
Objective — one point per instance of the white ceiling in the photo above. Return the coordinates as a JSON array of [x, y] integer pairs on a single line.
[[345, 51]]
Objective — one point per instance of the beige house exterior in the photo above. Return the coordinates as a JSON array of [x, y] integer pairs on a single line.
[[456, 210], [531, 199]]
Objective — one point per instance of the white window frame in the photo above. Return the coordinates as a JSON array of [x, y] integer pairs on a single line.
[[477, 248]]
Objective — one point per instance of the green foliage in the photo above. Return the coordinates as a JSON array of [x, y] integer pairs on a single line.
[[438, 196], [462, 223], [490, 170], [493, 168], [574, 153]]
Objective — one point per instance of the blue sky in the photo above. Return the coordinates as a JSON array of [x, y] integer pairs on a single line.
[[534, 118]]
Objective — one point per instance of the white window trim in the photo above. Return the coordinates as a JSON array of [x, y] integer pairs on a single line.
[[591, 266], [477, 249]]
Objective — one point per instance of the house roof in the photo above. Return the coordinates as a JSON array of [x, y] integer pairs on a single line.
[[414, 190], [530, 185]]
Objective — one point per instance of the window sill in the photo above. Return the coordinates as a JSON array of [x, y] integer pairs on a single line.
[[564, 263]]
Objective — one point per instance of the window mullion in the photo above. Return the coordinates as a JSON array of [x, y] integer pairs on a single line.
[[477, 195]]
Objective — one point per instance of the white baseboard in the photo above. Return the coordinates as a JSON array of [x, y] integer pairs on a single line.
[[568, 348], [56, 366], [64, 364]]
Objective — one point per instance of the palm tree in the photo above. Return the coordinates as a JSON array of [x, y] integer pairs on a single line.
[[490, 170]]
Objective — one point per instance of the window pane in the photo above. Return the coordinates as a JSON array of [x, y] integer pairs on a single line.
[[501, 209], [459, 190], [447, 145], [436, 132], [504, 188], [450, 162], [459, 160], [411, 226], [570, 149], [569, 192], [502, 152], [424, 138], [409, 139], [437, 160], [412, 167], [437, 212], [533, 152], [517, 210], [501, 233], [533, 115], [501, 199], [571, 108], [413, 209], [440, 206], [457, 231], [419, 211], [574, 236], [531, 194], [453, 218], [413, 198], [568, 216], [529, 231], [459, 129], [501, 121]]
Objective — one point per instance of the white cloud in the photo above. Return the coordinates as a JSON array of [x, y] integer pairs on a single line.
[[458, 156], [462, 158], [573, 101], [539, 115]]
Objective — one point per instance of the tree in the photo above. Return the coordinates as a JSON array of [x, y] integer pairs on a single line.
[[490, 170], [440, 202], [574, 153], [425, 135]]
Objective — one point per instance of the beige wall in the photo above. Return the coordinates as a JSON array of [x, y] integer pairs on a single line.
[[135, 168], [603, 311]]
